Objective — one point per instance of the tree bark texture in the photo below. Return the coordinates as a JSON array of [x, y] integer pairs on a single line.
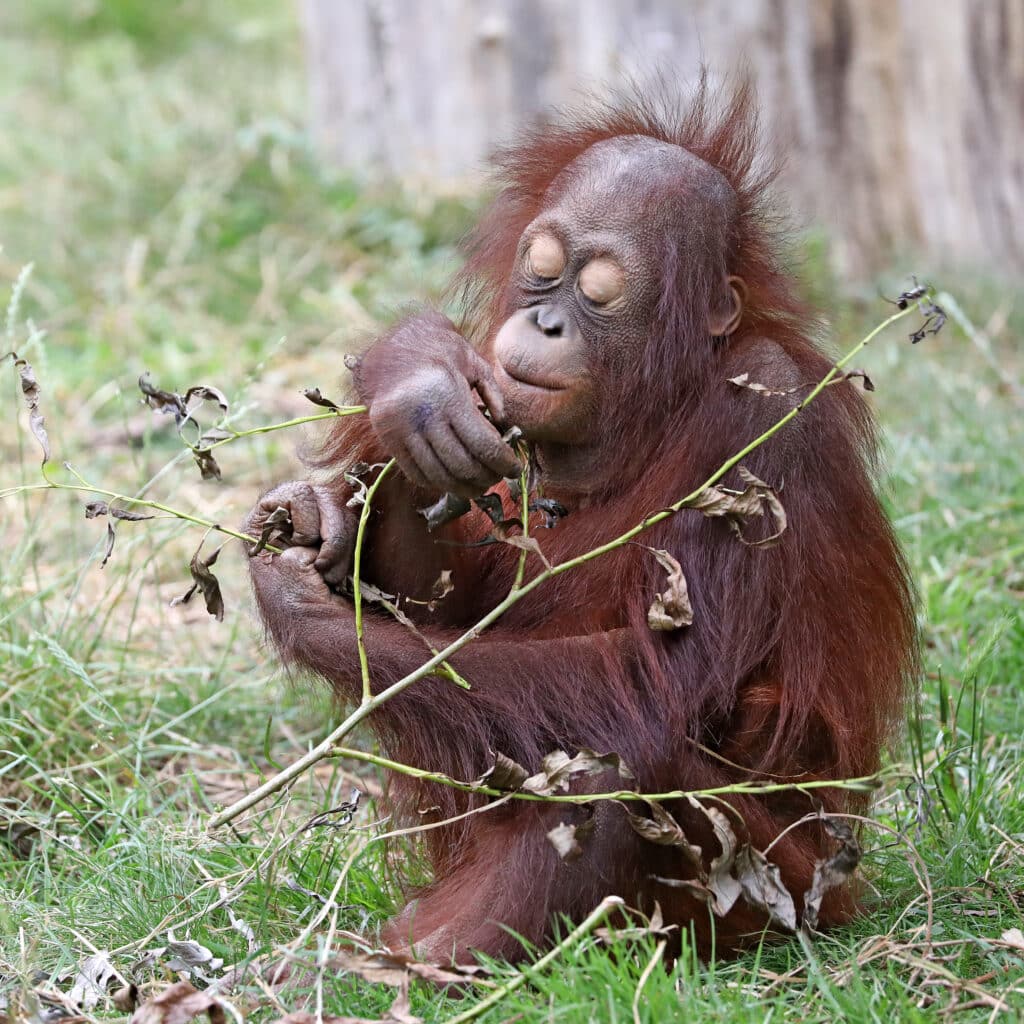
[[901, 122]]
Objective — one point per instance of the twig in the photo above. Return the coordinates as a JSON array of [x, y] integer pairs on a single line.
[[85, 487], [125, 500], [623, 795], [357, 594], [524, 483], [404, 619], [298, 421]]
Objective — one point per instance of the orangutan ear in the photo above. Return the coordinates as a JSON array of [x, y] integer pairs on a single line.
[[724, 322]]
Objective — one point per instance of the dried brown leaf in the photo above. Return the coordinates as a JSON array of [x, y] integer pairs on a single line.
[[205, 582], [169, 403], [280, 522], [662, 829], [526, 544], [400, 1012], [177, 1005], [384, 968], [736, 506], [763, 887], [744, 381], [833, 871], [30, 392], [670, 609], [313, 395], [189, 955], [442, 587], [490, 504], [505, 774], [558, 770], [208, 467], [101, 508], [126, 998], [111, 538], [713, 501], [502, 532], [724, 887], [568, 839], [92, 980], [447, 508], [206, 393], [552, 510], [93, 509]]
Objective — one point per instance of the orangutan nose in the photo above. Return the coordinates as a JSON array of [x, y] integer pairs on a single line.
[[549, 320]]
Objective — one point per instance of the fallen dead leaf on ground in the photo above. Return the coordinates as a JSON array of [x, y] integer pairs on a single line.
[[177, 1005]]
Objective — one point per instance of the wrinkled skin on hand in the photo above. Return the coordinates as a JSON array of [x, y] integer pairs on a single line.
[[418, 382], [320, 524], [294, 583]]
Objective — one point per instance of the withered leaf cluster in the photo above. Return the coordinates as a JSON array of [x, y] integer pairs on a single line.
[[557, 770], [170, 403], [671, 608], [934, 315], [740, 869], [504, 530], [720, 879], [736, 506]]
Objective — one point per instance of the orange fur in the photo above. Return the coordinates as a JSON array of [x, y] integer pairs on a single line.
[[798, 659]]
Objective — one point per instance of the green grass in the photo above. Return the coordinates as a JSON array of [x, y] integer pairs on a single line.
[[156, 171]]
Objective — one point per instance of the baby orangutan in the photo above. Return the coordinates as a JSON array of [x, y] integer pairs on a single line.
[[624, 274]]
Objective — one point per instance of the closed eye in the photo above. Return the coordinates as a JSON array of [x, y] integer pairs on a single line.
[[544, 260], [602, 282]]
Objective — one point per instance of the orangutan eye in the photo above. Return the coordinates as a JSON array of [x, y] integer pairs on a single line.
[[545, 258], [602, 281]]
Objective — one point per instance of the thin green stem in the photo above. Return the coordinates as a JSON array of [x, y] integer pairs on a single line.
[[173, 513], [857, 785], [524, 477], [357, 564], [399, 616], [367, 707], [733, 460], [330, 414]]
